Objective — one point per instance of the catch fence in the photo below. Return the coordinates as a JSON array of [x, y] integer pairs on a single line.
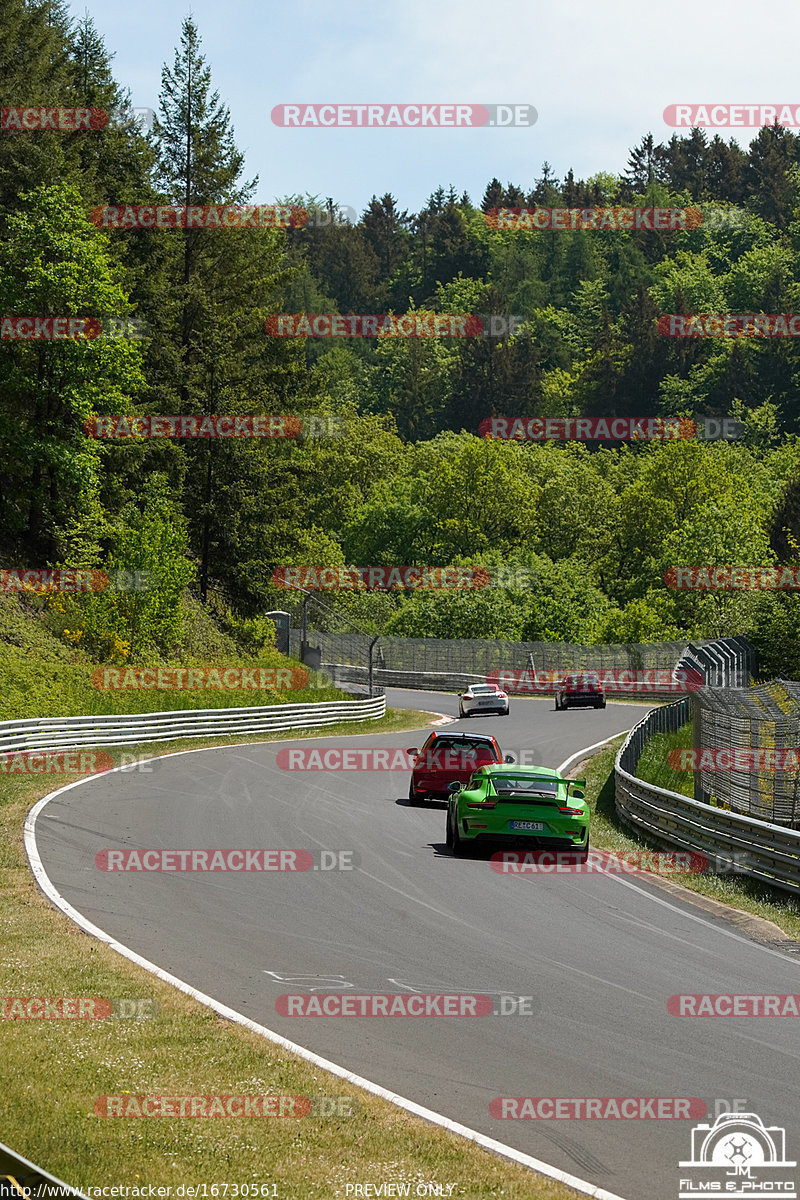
[[450, 664], [764, 718]]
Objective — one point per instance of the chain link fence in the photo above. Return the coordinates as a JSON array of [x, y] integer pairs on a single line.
[[755, 848], [478, 657], [763, 718], [451, 664]]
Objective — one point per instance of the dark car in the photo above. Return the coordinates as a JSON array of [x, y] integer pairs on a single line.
[[581, 690], [447, 758]]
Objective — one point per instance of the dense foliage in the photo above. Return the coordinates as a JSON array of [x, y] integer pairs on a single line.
[[579, 537]]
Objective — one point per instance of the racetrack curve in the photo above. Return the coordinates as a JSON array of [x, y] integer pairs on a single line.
[[598, 954]]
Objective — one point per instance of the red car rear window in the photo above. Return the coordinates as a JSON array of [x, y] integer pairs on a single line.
[[452, 754]]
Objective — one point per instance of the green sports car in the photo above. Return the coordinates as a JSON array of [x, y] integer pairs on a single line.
[[532, 805]]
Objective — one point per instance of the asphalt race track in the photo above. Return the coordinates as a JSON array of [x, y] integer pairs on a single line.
[[598, 955]]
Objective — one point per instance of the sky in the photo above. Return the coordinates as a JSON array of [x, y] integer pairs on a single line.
[[599, 75]]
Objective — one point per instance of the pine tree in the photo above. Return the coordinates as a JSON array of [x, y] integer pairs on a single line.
[[641, 169], [768, 174], [386, 231], [546, 191], [35, 70], [224, 285], [115, 162], [493, 196]]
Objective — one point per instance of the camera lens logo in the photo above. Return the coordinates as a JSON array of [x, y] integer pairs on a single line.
[[738, 1155]]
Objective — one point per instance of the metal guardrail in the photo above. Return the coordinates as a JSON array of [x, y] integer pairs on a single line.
[[428, 681], [753, 848], [26, 1179], [54, 733]]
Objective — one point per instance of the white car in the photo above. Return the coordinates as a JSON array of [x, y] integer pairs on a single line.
[[482, 697]]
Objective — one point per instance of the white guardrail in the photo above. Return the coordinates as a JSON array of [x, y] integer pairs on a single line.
[[748, 847], [59, 733]]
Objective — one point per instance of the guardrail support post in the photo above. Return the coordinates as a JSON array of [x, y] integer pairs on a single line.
[[372, 646]]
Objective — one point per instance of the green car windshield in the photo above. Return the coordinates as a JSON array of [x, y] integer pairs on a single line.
[[510, 785]]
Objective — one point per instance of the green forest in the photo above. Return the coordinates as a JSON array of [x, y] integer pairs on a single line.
[[577, 537]]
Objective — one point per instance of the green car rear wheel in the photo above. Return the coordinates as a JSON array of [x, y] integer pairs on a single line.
[[453, 839]]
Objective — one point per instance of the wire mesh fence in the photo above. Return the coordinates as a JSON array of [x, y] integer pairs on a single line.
[[730, 841], [480, 657], [765, 721], [452, 664]]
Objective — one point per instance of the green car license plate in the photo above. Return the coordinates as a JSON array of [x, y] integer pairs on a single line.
[[531, 826]]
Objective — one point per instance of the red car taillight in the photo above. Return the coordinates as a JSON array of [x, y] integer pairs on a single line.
[[572, 812], [481, 803]]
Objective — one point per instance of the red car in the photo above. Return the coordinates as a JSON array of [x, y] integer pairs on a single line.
[[581, 689], [449, 757]]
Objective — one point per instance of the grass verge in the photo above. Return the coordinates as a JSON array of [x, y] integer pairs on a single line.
[[54, 1070], [653, 765]]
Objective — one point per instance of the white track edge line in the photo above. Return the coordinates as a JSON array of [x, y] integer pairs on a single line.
[[582, 753], [427, 1114], [644, 891]]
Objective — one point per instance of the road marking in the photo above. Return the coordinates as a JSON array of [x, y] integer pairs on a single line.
[[643, 891], [427, 1114]]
